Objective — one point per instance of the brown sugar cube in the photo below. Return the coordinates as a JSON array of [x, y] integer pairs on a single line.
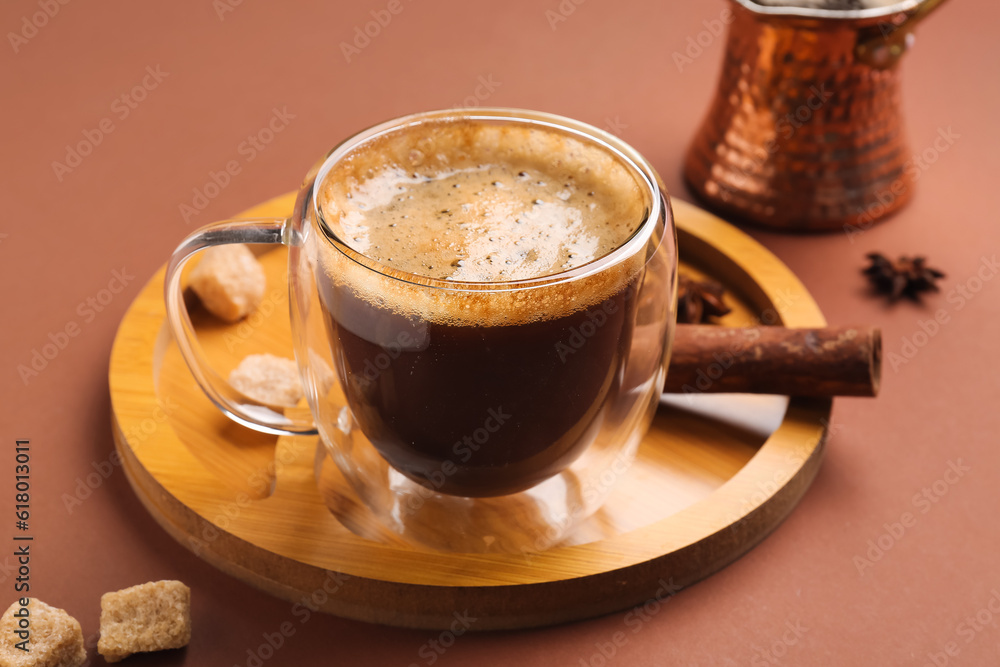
[[229, 281], [147, 617], [52, 637], [268, 379]]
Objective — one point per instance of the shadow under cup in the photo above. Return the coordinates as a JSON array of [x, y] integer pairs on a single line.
[[484, 416]]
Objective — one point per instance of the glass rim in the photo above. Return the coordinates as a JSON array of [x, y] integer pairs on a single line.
[[637, 165]]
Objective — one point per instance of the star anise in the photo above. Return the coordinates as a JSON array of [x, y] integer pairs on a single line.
[[699, 300], [904, 277]]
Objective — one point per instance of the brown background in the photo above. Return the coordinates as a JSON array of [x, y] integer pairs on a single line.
[[609, 63]]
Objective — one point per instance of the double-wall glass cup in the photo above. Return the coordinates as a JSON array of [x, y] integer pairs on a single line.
[[490, 416]]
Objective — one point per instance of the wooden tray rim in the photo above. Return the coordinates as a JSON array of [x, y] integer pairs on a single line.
[[767, 284]]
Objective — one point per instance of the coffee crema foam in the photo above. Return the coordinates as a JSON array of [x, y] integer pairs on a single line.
[[482, 204]]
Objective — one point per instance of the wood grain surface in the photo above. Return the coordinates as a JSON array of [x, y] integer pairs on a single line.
[[706, 486]]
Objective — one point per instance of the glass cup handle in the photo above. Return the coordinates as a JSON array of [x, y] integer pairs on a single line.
[[228, 400]]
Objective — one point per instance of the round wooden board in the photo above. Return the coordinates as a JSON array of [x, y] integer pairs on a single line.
[[713, 477]]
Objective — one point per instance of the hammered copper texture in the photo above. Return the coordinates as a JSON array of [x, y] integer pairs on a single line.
[[802, 134]]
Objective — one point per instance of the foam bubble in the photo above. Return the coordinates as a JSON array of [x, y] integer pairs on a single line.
[[486, 203]]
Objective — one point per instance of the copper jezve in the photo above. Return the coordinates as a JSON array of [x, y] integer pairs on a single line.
[[806, 132]]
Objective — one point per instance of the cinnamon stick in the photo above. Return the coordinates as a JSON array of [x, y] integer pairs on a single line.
[[834, 361]]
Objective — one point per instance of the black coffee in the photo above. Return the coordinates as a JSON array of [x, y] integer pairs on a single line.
[[480, 391]]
